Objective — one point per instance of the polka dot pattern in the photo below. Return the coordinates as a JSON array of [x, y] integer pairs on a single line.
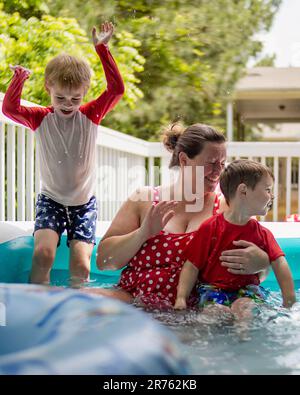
[[152, 274], [166, 258]]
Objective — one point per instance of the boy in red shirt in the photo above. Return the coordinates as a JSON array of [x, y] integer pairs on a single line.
[[247, 188]]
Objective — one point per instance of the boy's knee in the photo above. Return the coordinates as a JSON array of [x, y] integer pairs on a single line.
[[44, 256], [242, 304]]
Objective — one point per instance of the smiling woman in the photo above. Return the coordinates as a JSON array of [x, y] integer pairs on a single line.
[[150, 236]]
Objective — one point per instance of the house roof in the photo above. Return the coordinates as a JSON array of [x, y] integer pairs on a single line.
[[269, 83], [269, 94]]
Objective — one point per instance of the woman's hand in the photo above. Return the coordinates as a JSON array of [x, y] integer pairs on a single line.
[[247, 260], [156, 218], [105, 35]]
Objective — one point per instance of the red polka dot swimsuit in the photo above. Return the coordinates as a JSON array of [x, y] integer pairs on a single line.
[[152, 274]]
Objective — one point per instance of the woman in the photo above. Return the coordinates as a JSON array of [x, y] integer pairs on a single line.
[[149, 235]]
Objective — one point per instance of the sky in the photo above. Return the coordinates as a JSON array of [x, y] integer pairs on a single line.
[[284, 36]]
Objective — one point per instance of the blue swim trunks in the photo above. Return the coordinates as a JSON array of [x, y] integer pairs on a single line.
[[79, 221], [209, 294]]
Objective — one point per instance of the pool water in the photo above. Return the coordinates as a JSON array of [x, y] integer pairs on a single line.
[[16, 255], [271, 345], [211, 345]]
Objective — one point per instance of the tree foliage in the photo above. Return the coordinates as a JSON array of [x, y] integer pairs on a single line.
[[194, 52], [33, 42]]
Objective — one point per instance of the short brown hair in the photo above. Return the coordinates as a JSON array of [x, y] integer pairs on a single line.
[[68, 72], [241, 171], [190, 140]]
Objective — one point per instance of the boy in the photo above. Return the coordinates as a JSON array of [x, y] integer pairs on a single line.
[[247, 188], [66, 135]]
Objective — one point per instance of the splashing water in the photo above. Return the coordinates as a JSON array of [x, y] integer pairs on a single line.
[[214, 344]]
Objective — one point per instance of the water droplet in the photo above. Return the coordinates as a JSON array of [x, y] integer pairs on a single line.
[[59, 161]]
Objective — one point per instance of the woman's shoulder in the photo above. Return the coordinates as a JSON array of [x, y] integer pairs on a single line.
[[144, 194]]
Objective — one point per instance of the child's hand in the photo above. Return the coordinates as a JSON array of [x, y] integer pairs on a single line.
[[106, 32], [19, 69], [180, 304]]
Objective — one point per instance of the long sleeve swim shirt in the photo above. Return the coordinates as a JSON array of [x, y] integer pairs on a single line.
[[66, 146]]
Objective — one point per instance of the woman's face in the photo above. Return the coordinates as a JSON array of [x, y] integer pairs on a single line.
[[212, 158]]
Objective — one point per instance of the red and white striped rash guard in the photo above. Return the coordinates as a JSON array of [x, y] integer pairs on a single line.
[[66, 146]]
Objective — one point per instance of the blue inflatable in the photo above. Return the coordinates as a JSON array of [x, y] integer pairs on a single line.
[[16, 248], [63, 331], [54, 330]]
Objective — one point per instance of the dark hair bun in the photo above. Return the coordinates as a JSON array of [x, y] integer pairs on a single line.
[[171, 135]]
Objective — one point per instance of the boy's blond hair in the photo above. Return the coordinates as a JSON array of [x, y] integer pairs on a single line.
[[242, 171], [68, 72]]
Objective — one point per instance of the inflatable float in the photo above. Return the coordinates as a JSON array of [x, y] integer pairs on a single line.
[[16, 247], [63, 331], [55, 330]]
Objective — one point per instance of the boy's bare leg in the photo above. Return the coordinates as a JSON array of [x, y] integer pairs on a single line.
[[219, 312], [243, 311], [80, 258], [45, 244], [80, 261]]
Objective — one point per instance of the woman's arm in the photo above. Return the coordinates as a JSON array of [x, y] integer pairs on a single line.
[[127, 232], [249, 259]]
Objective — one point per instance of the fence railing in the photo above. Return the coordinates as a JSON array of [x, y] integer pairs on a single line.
[[125, 163]]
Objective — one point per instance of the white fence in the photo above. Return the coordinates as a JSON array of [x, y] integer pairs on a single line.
[[125, 163]]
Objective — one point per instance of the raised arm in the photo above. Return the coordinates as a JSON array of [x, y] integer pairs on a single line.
[[129, 231], [187, 280], [285, 281], [96, 109], [30, 117]]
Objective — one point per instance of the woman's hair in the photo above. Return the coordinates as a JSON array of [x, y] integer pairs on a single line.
[[68, 72], [242, 171], [191, 140]]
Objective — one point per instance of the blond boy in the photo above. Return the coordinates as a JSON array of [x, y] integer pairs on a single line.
[[66, 135]]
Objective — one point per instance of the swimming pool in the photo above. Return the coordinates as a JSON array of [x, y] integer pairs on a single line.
[[271, 346]]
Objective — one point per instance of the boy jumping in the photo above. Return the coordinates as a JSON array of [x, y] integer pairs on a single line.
[[66, 134]]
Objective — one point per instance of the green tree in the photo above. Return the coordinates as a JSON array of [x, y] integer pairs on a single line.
[[195, 52], [33, 42], [266, 61], [26, 8]]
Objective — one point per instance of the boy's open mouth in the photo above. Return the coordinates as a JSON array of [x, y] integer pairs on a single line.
[[66, 111]]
